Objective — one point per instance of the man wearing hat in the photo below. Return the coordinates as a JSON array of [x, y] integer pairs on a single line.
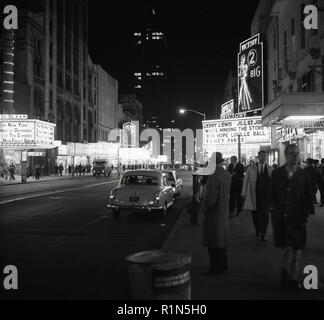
[[216, 216]]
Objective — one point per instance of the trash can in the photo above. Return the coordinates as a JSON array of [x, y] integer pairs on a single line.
[[160, 275]]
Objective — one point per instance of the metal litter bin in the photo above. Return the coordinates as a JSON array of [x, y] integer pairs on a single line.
[[160, 275]]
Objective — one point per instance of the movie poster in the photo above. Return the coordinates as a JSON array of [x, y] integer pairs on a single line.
[[250, 76]]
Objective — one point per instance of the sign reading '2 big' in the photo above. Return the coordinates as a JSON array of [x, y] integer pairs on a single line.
[[250, 76]]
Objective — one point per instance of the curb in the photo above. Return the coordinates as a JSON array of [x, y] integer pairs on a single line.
[[168, 241], [42, 181]]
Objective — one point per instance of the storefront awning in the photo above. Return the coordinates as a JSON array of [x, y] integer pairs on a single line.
[[293, 104]]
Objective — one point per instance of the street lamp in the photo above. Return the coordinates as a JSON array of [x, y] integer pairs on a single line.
[[183, 111]]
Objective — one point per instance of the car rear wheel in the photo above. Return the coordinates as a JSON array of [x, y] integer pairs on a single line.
[[115, 213]]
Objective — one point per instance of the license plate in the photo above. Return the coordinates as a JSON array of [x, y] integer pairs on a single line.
[[133, 199]]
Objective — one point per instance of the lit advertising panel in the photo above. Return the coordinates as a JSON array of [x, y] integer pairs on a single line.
[[227, 109], [26, 133], [219, 135], [250, 75]]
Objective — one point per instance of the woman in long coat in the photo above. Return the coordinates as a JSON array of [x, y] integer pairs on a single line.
[[248, 190], [216, 216]]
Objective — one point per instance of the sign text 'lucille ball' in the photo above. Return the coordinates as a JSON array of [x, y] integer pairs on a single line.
[[226, 132]]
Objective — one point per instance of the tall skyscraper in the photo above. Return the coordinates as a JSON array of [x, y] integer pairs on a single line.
[[150, 71]]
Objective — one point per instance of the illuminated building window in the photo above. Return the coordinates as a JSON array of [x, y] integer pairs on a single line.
[[139, 42], [138, 86], [138, 74], [137, 34]]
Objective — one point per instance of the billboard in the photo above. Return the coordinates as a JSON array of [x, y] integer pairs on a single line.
[[223, 135], [250, 76], [227, 109], [26, 134]]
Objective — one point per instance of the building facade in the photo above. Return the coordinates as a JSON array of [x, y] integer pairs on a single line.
[[132, 109], [106, 98], [53, 76], [294, 75]]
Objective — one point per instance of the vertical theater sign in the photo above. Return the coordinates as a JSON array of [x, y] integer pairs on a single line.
[[250, 76]]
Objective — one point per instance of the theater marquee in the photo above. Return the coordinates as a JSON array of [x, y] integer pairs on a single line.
[[224, 132], [224, 135], [22, 134]]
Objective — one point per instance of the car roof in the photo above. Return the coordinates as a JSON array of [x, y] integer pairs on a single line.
[[144, 173]]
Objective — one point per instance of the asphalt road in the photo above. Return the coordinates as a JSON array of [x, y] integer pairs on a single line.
[[65, 242]]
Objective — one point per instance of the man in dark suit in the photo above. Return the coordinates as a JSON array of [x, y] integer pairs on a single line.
[[237, 171], [291, 202], [261, 215], [314, 176]]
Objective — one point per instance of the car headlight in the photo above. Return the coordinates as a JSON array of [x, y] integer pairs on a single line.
[[157, 197], [112, 195]]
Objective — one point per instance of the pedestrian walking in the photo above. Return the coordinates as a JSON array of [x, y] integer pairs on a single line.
[[3, 170], [255, 191], [120, 170], [61, 168], [69, 169], [56, 169], [291, 202], [37, 171], [314, 176], [12, 170], [215, 208], [237, 171], [43, 171]]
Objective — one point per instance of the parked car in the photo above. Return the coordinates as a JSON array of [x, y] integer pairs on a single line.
[[101, 167], [174, 181], [143, 190]]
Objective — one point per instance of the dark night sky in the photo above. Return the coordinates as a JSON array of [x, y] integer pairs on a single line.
[[203, 41]]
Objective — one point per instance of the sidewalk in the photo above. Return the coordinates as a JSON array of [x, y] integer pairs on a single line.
[[254, 265], [17, 180]]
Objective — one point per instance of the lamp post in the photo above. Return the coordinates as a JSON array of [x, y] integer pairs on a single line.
[[239, 147], [183, 111]]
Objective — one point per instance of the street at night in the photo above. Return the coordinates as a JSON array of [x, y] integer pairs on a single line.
[[162, 151], [67, 245]]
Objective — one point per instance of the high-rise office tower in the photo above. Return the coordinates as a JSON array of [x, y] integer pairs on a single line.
[[150, 72]]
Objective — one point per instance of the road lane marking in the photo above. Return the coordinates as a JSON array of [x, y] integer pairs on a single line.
[[57, 240], [58, 198], [56, 192], [96, 220], [91, 222]]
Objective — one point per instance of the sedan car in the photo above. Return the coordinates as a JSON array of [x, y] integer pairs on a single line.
[[146, 190]]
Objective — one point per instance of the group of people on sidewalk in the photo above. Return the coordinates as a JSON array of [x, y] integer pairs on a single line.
[[285, 193], [8, 172]]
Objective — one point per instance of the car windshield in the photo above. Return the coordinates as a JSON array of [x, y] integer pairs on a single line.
[[140, 180], [99, 164]]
